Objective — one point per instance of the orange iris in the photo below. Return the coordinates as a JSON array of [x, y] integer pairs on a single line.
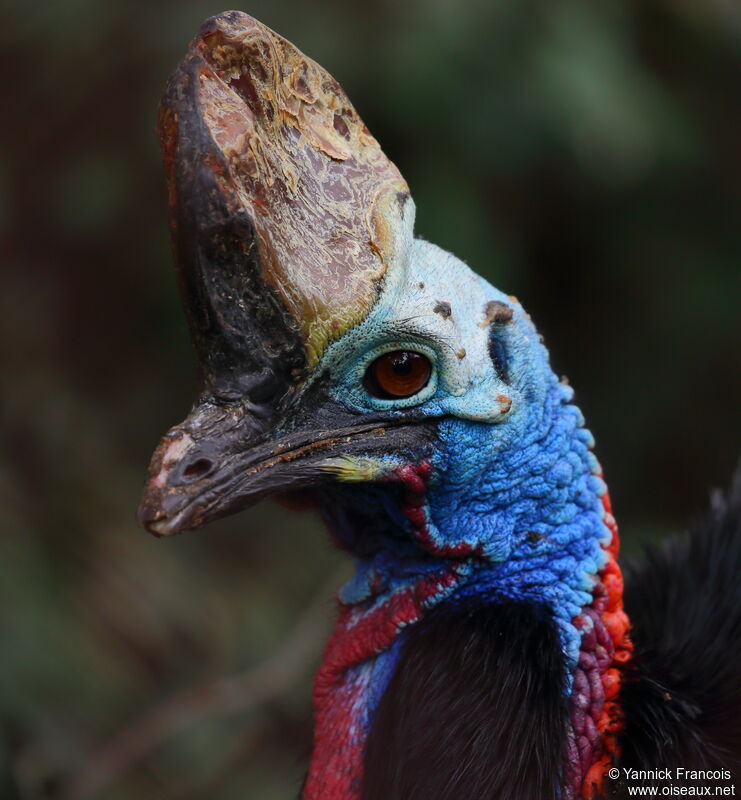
[[399, 374]]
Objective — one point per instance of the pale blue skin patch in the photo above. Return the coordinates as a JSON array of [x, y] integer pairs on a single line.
[[463, 382]]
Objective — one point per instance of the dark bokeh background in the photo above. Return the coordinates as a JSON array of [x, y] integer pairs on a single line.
[[583, 156]]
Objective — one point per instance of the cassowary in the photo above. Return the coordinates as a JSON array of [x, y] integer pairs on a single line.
[[482, 648]]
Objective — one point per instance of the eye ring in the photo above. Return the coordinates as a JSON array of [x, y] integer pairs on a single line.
[[397, 375]]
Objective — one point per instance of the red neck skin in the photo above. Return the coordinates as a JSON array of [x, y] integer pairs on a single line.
[[596, 717], [360, 655]]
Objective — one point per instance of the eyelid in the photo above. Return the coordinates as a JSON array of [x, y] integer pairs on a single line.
[[369, 356]]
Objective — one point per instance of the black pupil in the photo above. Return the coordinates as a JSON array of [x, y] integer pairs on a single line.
[[402, 364]]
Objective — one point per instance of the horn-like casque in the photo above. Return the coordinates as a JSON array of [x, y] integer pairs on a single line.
[[284, 209]]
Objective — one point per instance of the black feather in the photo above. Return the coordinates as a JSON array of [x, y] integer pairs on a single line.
[[682, 695], [475, 710]]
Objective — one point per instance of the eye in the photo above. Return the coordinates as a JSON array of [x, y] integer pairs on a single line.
[[399, 374]]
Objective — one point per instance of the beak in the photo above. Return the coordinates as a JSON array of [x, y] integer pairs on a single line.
[[216, 463], [285, 215]]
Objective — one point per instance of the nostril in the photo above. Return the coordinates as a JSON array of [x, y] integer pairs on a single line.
[[197, 469]]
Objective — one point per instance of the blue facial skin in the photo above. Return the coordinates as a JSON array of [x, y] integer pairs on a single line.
[[513, 477]]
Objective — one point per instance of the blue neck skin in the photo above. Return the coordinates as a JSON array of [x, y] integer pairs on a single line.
[[524, 511], [514, 499]]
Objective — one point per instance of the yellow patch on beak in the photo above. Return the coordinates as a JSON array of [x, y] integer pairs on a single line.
[[351, 469]]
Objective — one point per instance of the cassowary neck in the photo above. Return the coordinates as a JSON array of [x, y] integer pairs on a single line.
[[529, 525]]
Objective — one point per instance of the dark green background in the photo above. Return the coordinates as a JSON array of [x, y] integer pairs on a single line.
[[584, 156]]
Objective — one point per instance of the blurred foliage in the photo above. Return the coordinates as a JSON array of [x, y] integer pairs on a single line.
[[582, 155]]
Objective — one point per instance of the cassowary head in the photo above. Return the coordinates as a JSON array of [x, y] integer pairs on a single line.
[[341, 357], [351, 366]]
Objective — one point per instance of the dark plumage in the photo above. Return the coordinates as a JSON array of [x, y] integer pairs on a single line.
[[475, 709], [682, 695]]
